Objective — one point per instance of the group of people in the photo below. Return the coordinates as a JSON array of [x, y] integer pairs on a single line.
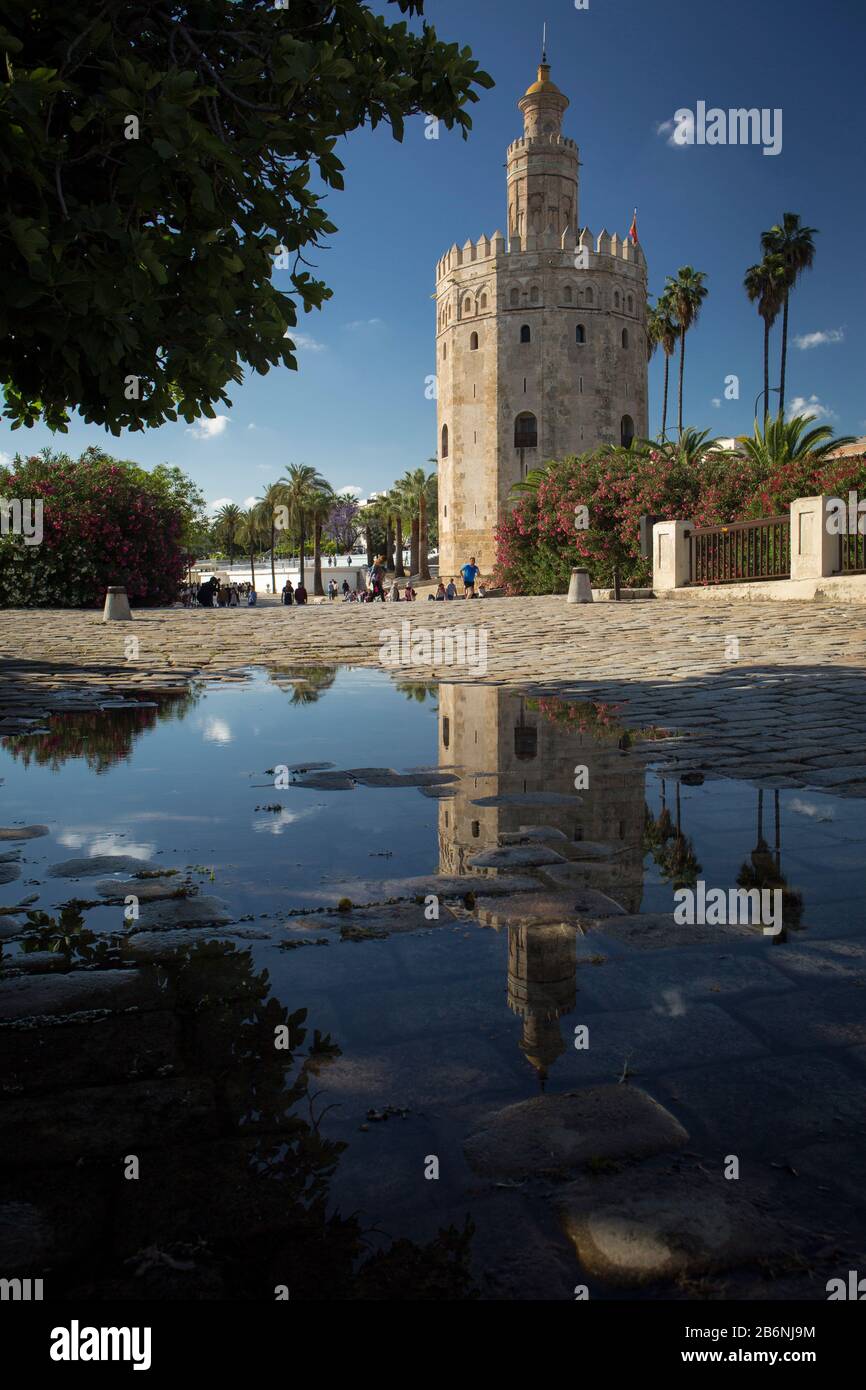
[[214, 594], [469, 574], [296, 594]]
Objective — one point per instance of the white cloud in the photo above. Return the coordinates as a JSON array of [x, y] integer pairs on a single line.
[[808, 808], [216, 730], [5, 459], [220, 502], [249, 502], [363, 323], [304, 342], [805, 341], [209, 429], [811, 406], [678, 133], [350, 491]]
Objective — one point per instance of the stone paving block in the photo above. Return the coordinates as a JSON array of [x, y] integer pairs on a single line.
[[629, 1235], [560, 1133]]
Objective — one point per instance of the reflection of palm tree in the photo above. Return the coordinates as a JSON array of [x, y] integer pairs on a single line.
[[308, 682], [417, 690], [673, 852], [763, 869]]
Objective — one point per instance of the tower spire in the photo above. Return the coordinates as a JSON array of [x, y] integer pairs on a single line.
[[544, 42]]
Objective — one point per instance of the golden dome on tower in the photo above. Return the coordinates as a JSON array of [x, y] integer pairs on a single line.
[[542, 83]]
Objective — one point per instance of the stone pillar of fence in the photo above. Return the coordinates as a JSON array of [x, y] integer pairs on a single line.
[[814, 548], [671, 561]]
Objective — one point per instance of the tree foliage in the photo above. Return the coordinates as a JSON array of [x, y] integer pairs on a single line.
[[156, 161], [104, 521]]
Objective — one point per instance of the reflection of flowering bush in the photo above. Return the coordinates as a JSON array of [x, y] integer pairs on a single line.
[[105, 522], [602, 721], [538, 542], [103, 738]]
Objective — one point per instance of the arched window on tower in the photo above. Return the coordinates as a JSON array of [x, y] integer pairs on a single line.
[[587, 295], [568, 294], [526, 431], [484, 301], [625, 337], [444, 449], [616, 299], [515, 298], [473, 342], [534, 295], [467, 305], [631, 303], [626, 431], [444, 349], [580, 333], [525, 334]]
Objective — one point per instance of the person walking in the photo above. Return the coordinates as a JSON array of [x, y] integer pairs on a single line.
[[470, 573], [300, 595]]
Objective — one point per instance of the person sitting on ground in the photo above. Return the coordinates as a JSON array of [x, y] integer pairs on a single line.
[[300, 594], [440, 592], [410, 594], [482, 592], [451, 589], [394, 596], [470, 573]]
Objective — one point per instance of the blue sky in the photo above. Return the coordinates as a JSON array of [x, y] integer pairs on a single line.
[[356, 409]]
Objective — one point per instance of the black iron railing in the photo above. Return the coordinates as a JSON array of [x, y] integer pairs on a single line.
[[741, 551], [852, 546]]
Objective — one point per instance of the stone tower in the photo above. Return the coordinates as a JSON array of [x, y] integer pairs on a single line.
[[540, 341]]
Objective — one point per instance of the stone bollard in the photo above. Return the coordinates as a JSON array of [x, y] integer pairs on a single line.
[[116, 605], [580, 589]]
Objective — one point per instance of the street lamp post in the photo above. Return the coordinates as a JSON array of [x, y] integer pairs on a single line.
[[776, 389]]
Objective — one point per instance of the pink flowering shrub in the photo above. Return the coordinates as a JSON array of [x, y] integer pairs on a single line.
[[539, 541], [104, 522]]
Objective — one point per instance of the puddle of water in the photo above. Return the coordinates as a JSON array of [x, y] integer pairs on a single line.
[[296, 1088]]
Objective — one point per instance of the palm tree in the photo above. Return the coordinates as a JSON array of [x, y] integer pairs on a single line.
[[687, 292], [320, 507], [274, 497], [662, 331], [401, 512], [419, 487], [227, 524], [794, 244], [788, 441], [765, 282], [252, 535], [297, 491]]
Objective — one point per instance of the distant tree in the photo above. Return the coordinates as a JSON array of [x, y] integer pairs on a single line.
[[662, 330], [685, 292], [764, 283], [155, 159], [226, 527], [254, 536], [795, 246], [321, 502], [297, 491], [343, 522]]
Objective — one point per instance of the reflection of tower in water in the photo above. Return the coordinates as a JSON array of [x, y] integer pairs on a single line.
[[502, 743]]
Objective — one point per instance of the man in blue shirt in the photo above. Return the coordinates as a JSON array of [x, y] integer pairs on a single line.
[[470, 573]]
